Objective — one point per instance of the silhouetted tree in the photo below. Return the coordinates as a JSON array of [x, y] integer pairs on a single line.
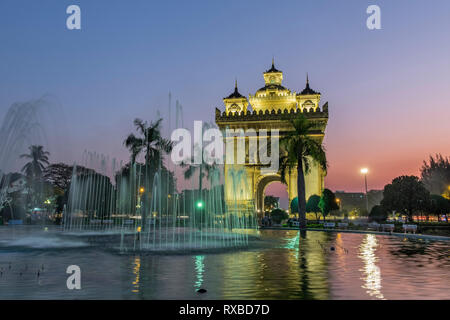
[[435, 175], [60, 174], [33, 171], [439, 205], [154, 146], [38, 161], [150, 142], [278, 215], [378, 213], [407, 195], [270, 202]]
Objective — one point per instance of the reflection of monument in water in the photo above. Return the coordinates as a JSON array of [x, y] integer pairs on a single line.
[[270, 106]]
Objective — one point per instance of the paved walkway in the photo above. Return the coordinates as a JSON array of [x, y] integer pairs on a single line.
[[397, 234]]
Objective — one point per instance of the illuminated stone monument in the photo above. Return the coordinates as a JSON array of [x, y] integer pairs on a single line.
[[270, 107]]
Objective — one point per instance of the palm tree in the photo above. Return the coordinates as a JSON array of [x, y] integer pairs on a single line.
[[153, 145], [39, 160], [150, 142], [301, 150], [204, 169], [34, 168]]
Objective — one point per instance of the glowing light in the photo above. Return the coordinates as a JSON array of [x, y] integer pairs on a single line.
[[371, 272], [364, 170], [138, 229], [141, 190], [136, 271], [199, 204], [199, 270]]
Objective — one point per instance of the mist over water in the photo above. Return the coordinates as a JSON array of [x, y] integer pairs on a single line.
[[35, 122]]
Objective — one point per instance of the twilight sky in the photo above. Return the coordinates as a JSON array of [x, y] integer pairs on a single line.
[[388, 90]]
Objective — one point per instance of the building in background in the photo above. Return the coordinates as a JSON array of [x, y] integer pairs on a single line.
[[356, 201]]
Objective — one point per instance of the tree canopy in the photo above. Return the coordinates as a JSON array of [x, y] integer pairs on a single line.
[[327, 202], [435, 174], [313, 204], [270, 202], [406, 194], [439, 205], [60, 174], [378, 213], [278, 215]]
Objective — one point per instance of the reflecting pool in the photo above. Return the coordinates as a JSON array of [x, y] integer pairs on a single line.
[[280, 265]]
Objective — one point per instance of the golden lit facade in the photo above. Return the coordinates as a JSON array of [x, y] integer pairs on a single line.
[[269, 108]]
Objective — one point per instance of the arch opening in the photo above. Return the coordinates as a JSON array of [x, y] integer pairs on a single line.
[[270, 185]]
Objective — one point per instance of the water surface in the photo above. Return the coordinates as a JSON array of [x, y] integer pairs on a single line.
[[281, 265]]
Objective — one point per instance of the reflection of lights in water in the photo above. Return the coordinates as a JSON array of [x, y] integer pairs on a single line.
[[371, 272], [293, 244], [199, 270], [136, 272]]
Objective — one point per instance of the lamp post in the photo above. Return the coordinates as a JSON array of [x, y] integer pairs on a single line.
[[47, 207], [364, 171], [139, 206]]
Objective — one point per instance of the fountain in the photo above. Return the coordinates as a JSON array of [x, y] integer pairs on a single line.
[[141, 209], [154, 219]]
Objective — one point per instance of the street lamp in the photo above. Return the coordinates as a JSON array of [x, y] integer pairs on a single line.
[[364, 171]]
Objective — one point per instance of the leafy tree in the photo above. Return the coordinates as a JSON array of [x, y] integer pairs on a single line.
[[378, 213], [270, 202], [299, 150], [60, 174], [294, 205], [327, 202], [435, 174], [278, 215], [439, 205], [313, 205], [407, 195]]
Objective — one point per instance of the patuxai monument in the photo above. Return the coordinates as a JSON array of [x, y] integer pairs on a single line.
[[269, 108]]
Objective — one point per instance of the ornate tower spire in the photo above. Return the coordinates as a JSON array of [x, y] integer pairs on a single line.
[[307, 89], [235, 102]]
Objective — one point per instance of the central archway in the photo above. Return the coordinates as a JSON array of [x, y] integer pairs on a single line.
[[263, 182]]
